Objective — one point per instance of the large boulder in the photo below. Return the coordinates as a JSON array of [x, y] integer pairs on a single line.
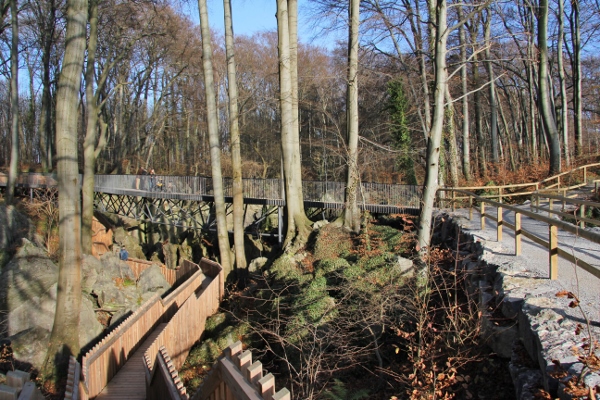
[[152, 280], [131, 243], [170, 252], [14, 226], [90, 268], [115, 284], [28, 289]]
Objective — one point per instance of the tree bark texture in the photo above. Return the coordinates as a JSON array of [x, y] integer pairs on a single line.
[[297, 224], [13, 169], [351, 210], [213, 133], [234, 131], [64, 339], [546, 110], [435, 134]]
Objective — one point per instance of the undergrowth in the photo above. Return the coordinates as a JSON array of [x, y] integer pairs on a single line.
[[347, 321]]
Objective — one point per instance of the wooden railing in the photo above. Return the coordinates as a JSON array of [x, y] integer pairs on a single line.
[[173, 276], [106, 358], [186, 326], [235, 376], [553, 224], [563, 182]]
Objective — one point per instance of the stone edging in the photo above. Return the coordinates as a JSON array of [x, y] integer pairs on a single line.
[[522, 319]]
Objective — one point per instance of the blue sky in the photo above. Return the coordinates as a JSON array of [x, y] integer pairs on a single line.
[[250, 16]]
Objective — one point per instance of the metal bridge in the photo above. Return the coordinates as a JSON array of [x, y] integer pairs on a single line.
[[186, 201]]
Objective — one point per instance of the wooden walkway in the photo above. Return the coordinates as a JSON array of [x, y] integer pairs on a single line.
[[130, 382]]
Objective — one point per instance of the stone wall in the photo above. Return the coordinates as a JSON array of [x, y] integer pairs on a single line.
[[524, 320]]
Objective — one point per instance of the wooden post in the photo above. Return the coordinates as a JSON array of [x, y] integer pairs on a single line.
[[453, 200], [585, 174], [558, 180], [500, 194], [550, 206], [482, 215], [517, 234], [537, 202], [499, 226], [582, 215], [553, 252], [470, 208]]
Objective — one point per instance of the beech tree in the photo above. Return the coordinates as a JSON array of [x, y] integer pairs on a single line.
[[234, 132], [14, 103], [351, 210], [213, 133], [298, 224], [546, 108], [64, 339]]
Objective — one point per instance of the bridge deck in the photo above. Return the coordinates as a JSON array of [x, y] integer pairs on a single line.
[[130, 381]]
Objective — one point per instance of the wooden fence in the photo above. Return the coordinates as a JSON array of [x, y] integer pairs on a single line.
[[235, 376], [105, 359], [565, 181], [173, 276], [553, 224]]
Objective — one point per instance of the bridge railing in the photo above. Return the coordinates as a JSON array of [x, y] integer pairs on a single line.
[[553, 225], [167, 186], [106, 358]]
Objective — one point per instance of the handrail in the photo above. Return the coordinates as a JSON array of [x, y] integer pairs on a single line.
[[241, 376], [553, 224], [501, 188], [581, 218]]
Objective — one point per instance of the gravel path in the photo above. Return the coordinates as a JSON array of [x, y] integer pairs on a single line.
[[534, 258]]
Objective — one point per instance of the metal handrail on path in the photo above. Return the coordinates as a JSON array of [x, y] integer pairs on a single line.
[[553, 225]]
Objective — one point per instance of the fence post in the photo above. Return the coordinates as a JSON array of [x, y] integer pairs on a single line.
[[500, 193], [453, 200], [585, 174], [482, 215], [550, 206], [553, 251], [499, 226], [517, 234], [582, 215], [470, 208]]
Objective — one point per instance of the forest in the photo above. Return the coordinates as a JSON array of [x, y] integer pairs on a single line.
[[427, 93]]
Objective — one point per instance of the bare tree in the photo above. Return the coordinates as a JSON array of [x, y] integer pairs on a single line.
[[234, 131], [14, 103], [564, 110], [546, 111], [297, 222], [351, 210], [213, 133], [64, 339]]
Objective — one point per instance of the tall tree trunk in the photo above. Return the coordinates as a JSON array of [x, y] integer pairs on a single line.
[[544, 90], [213, 135], [451, 139], [466, 139], [14, 104], [64, 339], [481, 153], [297, 224], [47, 22], [564, 110], [491, 87], [89, 144], [236, 158], [435, 133], [351, 210], [576, 68]]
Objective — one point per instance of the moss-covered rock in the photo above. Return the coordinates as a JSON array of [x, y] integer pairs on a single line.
[[332, 241]]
